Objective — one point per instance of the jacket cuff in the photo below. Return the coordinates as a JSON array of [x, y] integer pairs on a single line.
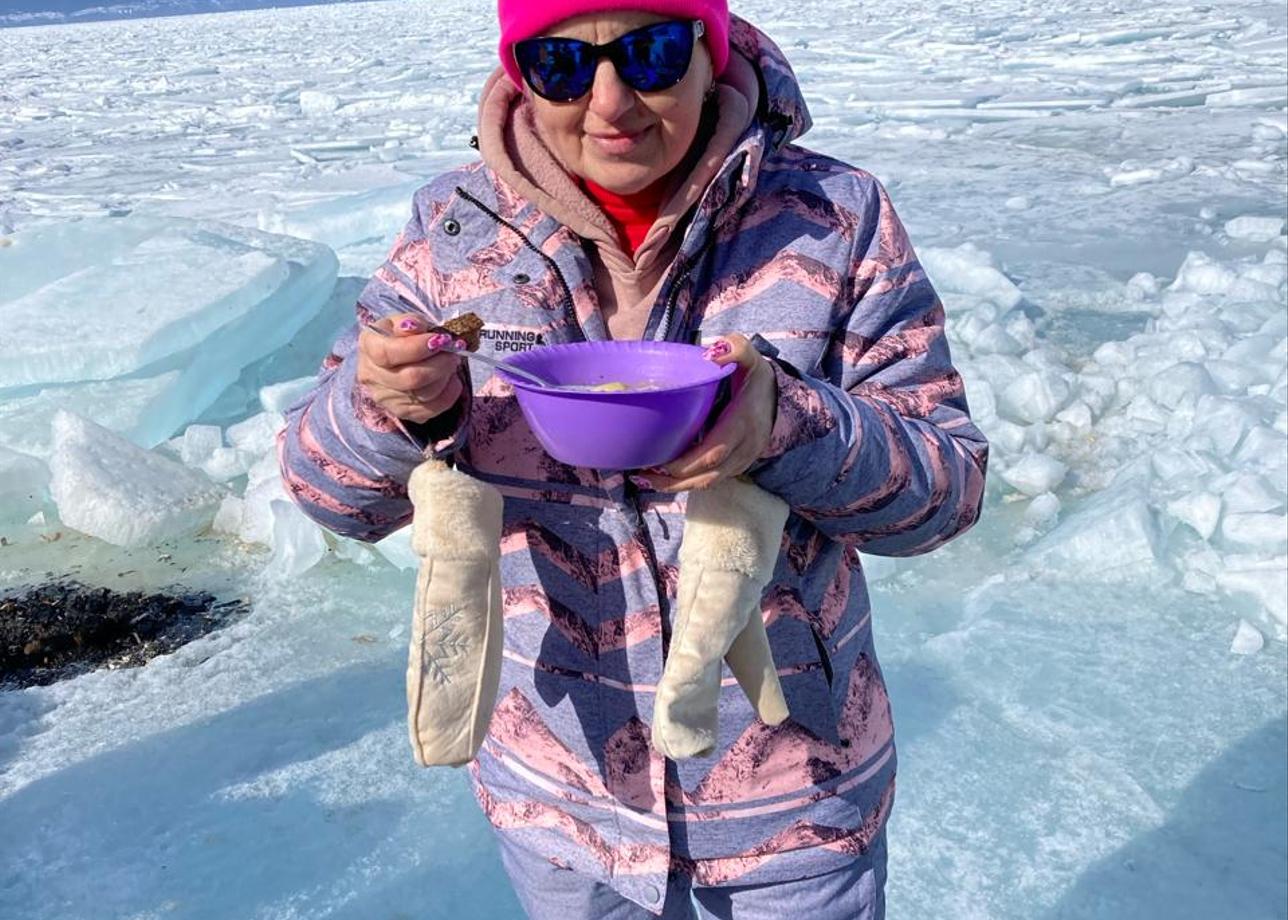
[[801, 416]]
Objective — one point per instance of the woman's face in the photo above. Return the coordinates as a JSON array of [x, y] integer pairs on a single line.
[[617, 137]]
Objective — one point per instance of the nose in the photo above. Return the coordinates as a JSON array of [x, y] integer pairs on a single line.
[[610, 98]]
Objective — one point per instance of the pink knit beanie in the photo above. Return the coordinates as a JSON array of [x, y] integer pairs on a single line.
[[522, 19]]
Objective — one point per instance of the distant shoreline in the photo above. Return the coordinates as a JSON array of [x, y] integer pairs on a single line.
[[68, 12]]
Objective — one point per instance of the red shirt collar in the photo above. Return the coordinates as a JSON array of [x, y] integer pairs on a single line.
[[631, 214]]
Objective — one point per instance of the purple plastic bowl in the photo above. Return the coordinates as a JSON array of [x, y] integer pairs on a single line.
[[618, 430]]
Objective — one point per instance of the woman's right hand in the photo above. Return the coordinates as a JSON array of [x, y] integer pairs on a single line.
[[406, 374]]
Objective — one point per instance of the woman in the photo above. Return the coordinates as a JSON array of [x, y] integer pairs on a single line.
[[639, 180]]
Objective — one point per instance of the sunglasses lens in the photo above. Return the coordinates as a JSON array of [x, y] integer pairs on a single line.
[[557, 69], [650, 59], [656, 57]]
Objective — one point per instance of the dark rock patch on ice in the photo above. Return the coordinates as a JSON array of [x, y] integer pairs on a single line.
[[61, 629]]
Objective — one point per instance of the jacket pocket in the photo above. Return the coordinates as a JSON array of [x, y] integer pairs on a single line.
[[823, 657]]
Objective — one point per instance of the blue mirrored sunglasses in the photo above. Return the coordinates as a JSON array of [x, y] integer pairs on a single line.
[[649, 60]]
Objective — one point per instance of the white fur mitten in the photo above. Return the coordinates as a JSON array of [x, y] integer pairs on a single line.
[[454, 667], [732, 534]]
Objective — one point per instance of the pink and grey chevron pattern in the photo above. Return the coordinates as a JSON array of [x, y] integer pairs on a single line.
[[873, 449]]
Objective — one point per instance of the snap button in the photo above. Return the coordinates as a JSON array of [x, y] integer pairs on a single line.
[[652, 894], [521, 278], [451, 227]]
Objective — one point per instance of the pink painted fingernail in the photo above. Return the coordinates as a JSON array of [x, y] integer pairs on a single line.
[[408, 324], [438, 340], [717, 349], [460, 343], [641, 482]]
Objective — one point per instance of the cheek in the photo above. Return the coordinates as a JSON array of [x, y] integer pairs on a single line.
[[680, 126], [559, 127]]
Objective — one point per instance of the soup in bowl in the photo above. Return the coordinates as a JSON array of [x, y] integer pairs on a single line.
[[637, 404]]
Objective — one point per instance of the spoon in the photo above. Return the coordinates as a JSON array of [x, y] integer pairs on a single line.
[[497, 363]]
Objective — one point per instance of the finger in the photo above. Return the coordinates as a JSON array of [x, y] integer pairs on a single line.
[[691, 484], [735, 465], [741, 454], [409, 411], [734, 348], [403, 324], [431, 371], [398, 405], [720, 444], [440, 399], [402, 347], [716, 446], [713, 450], [393, 350], [414, 407], [718, 454]]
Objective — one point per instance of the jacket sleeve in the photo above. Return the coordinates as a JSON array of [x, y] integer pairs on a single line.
[[343, 459], [880, 452]]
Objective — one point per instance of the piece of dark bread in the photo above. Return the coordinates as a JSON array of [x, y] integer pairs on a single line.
[[467, 326]]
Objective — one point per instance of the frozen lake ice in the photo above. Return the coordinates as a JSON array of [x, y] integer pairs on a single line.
[[1090, 688]]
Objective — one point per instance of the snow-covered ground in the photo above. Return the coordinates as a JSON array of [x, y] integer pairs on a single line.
[[57, 12], [1090, 688]]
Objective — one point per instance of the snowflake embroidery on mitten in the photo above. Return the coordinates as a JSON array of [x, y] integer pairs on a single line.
[[442, 643]]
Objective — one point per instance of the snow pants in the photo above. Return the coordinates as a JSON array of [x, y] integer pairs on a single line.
[[853, 892]]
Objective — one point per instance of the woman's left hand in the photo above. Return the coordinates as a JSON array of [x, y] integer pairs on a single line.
[[738, 437]]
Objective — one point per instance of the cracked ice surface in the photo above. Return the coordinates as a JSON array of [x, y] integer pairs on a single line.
[[1089, 688]]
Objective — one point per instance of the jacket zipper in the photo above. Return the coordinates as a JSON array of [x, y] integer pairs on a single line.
[[640, 523], [631, 494], [554, 266], [664, 328], [823, 657]]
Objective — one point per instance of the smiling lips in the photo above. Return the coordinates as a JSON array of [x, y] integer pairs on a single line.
[[618, 143]]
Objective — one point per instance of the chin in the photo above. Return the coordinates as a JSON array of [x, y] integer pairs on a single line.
[[624, 178]]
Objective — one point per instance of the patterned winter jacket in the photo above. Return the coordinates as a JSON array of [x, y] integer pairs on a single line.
[[873, 449]]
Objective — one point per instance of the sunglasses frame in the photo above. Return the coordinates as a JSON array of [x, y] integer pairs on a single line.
[[610, 50]]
